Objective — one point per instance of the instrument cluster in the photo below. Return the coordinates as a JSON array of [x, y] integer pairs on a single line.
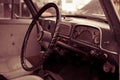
[[86, 34], [81, 33]]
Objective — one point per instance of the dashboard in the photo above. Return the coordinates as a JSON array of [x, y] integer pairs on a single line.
[[83, 37], [77, 34], [81, 33]]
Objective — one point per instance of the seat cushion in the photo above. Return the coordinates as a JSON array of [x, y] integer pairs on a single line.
[[11, 67], [29, 77]]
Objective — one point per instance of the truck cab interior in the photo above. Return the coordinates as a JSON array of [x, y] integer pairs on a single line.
[[59, 39]]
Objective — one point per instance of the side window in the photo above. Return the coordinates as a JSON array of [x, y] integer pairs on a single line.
[[13, 9], [24, 10], [117, 5], [5, 8]]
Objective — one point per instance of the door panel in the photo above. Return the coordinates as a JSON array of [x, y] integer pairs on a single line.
[[11, 37]]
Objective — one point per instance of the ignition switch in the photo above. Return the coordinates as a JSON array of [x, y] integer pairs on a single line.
[[107, 67]]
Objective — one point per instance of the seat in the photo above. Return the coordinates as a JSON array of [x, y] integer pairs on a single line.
[[11, 68], [28, 77]]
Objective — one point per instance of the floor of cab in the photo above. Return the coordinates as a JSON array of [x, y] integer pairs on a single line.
[[73, 69]]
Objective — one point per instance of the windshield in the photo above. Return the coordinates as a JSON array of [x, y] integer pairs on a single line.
[[116, 4], [74, 7], [18, 9]]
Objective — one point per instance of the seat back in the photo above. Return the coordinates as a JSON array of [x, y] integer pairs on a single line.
[[12, 33]]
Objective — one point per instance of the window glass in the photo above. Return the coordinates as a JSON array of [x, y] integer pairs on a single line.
[[1, 10], [5, 8], [117, 6], [75, 7], [13, 9], [24, 10], [20, 9]]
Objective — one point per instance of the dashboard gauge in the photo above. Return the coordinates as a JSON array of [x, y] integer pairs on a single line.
[[77, 32], [97, 40], [86, 34]]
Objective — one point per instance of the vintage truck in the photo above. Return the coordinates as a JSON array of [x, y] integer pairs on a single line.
[[59, 39]]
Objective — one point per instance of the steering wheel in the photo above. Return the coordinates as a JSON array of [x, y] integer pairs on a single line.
[[32, 60]]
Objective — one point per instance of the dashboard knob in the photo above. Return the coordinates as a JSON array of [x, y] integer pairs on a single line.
[[97, 40]]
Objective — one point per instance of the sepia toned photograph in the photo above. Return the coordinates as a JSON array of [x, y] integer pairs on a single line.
[[59, 39]]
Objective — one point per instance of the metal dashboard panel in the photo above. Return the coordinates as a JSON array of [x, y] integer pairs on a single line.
[[65, 28], [93, 33]]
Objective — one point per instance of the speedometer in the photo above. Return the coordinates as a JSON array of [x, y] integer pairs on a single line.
[[86, 34]]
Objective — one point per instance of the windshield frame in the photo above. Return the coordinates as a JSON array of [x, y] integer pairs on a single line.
[[112, 17], [116, 11]]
